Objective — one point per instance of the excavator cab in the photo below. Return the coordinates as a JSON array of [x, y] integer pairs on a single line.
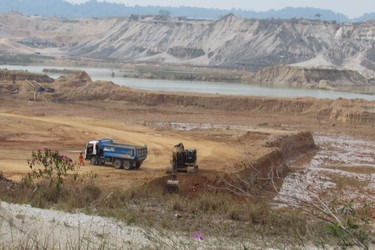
[[181, 161], [191, 156]]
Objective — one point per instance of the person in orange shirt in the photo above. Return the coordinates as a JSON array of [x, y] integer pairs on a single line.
[[81, 162]]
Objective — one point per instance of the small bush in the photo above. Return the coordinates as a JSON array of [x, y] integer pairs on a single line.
[[51, 166], [212, 203], [235, 213], [178, 204], [45, 195], [91, 192]]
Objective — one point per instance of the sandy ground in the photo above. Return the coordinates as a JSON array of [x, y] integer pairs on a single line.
[[20, 134], [27, 126], [221, 138]]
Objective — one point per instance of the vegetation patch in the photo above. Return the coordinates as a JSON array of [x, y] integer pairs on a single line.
[[54, 182]]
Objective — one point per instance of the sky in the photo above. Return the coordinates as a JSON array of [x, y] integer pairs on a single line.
[[350, 8]]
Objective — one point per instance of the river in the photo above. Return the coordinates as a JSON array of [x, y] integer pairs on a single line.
[[197, 86]]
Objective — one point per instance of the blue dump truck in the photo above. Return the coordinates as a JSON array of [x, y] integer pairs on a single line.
[[120, 155]]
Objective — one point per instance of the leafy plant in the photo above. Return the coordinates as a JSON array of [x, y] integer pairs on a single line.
[[52, 166], [351, 225]]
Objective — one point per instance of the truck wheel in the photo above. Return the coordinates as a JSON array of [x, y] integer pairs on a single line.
[[117, 164], [137, 165], [93, 161], [128, 165]]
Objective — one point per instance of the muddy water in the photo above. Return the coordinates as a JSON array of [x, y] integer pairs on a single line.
[[179, 126], [344, 157], [341, 156], [343, 151], [196, 86]]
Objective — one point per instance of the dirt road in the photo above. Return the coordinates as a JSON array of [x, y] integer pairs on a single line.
[[20, 134]]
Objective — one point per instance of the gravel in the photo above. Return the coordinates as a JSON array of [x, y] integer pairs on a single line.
[[26, 227]]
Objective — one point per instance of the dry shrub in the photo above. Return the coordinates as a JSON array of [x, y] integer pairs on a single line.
[[178, 204], [91, 192], [46, 195], [259, 213], [209, 202], [235, 213], [114, 199]]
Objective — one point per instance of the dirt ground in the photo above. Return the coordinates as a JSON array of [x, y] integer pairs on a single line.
[[30, 128], [222, 137], [224, 130]]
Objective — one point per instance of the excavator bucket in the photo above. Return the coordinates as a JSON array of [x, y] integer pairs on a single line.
[[172, 186], [169, 169]]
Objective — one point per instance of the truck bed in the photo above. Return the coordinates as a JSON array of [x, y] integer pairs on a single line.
[[123, 150]]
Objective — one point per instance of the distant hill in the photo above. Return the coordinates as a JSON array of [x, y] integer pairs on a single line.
[[228, 42], [365, 17], [61, 8]]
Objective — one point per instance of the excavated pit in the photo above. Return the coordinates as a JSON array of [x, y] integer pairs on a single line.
[[260, 155], [255, 174]]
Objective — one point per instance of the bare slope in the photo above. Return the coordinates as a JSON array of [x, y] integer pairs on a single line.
[[304, 77], [229, 41], [80, 87]]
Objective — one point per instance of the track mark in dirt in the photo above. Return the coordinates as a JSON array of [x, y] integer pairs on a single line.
[[69, 134]]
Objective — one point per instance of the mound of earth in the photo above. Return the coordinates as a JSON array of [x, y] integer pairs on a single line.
[[80, 87], [21, 75], [325, 78]]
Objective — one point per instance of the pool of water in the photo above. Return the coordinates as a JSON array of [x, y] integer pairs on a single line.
[[337, 156], [220, 88]]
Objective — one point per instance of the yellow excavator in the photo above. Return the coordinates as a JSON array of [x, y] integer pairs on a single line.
[[182, 160]]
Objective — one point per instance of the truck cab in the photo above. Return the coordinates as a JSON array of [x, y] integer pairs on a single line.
[[92, 149]]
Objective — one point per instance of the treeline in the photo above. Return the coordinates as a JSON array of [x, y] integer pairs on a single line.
[[93, 8]]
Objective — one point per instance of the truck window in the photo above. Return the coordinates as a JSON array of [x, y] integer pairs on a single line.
[[90, 148]]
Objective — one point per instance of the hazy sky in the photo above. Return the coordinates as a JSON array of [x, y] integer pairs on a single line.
[[351, 8]]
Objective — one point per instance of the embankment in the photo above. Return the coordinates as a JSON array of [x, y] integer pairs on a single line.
[[302, 77], [21, 75], [341, 110], [258, 173], [265, 170], [80, 87]]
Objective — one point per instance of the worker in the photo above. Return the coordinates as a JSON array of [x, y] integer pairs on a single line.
[[81, 162]]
